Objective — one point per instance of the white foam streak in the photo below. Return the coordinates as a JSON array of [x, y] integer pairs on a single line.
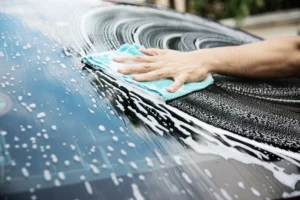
[[136, 192], [213, 145]]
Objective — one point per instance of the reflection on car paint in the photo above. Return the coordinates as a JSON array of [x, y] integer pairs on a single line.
[[5, 104]]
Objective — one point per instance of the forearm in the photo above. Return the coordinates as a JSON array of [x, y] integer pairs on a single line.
[[276, 58]]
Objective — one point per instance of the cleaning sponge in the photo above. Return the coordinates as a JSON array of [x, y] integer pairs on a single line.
[[104, 61]]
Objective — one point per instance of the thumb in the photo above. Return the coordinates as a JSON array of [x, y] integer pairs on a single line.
[[178, 82]]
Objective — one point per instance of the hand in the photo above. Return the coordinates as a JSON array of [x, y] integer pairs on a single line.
[[182, 67]]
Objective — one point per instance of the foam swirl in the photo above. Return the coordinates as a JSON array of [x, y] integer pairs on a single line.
[[267, 111]]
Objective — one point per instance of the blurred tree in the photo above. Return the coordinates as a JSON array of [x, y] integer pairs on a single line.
[[179, 5], [238, 9]]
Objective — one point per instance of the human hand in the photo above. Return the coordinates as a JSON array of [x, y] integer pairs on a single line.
[[182, 67]]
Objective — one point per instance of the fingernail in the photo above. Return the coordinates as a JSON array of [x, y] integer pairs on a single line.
[[135, 77], [122, 70], [170, 89], [116, 59]]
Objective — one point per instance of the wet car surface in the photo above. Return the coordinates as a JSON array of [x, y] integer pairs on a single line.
[[68, 131]]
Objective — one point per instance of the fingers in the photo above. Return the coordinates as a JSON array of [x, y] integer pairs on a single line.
[[137, 69], [153, 75], [138, 59], [153, 51], [178, 82], [200, 75]]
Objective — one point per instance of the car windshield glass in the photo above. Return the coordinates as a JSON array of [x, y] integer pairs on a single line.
[[71, 131]]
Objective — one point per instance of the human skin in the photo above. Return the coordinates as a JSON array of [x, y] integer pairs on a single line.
[[274, 58]]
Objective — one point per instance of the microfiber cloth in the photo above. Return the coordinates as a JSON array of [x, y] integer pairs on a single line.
[[104, 61]]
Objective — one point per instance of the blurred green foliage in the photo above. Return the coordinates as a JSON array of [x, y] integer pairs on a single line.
[[238, 9]]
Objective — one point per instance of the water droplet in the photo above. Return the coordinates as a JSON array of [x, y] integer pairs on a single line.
[[25, 172], [57, 183], [54, 158], [186, 178], [88, 187], [133, 165], [76, 158], [110, 148], [123, 152], [32, 105], [73, 80], [115, 138], [114, 178], [72, 147], [149, 162], [53, 127], [47, 175], [94, 169], [61, 175], [63, 65], [101, 128], [131, 144], [41, 115], [3, 133], [67, 163]]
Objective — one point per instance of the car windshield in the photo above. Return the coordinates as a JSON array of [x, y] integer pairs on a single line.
[[71, 131]]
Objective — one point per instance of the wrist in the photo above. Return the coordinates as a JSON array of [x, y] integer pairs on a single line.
[[210, 59], [222, 60]]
